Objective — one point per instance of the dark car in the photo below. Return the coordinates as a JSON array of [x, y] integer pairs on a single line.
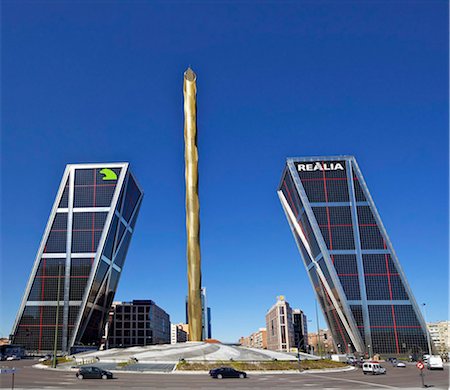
[[93, 373], [227, 372]]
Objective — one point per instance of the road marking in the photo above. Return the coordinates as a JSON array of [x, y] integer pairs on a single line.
[[355, 381]]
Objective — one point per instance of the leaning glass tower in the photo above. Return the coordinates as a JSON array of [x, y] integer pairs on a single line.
[[352, 265], [81, 255]]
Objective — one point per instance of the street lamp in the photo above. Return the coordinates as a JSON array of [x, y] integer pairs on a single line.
[[370, 351], [426, 329]]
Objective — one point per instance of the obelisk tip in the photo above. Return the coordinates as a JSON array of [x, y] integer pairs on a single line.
[[189, 75]]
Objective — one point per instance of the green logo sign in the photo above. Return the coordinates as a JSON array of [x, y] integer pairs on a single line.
[[108, 174]]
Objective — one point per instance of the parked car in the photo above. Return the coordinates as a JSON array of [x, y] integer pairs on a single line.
[[400, 364], [373, 368], [13, 357], [227, 372], [435, 363], [45, 358], [93, 373]]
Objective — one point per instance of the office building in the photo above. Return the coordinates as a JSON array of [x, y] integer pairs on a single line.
[[359, 283], [206, 315], [81, 255], [280, 326], [138, 323], [439, 333], [178, 333], [300, 330]]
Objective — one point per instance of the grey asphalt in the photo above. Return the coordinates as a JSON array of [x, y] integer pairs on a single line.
[[28, 377]]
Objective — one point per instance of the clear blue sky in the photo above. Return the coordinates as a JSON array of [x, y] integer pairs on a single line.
[[94, 82]]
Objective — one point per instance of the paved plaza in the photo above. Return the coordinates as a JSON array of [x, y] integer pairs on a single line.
[[190, 351]]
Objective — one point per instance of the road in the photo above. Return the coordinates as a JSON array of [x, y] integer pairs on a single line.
[[28, 377]]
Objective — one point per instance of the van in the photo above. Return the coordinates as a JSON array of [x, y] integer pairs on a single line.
[[373, 368], [435, 362]]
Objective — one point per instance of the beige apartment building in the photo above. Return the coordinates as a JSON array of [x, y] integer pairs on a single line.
[[322, 344], [257, 339], [280, 327], [439, 333], [178, 333]]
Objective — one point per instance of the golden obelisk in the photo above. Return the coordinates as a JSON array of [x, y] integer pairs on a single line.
[[192, 206]]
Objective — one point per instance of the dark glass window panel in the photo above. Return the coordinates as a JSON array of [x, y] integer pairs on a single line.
[[340, 215], [63, 203], [77, 288], [94, 328], [102, 295], [36, 324], [120, 235], [412, 340], [119, 201], [91, 190], [350, 284], [87, 231], [359, 194], [133, 222], [104, 194], [108, 249], [81, 267], [315, 190], [337, 191], [114, 281], [131, 198], [122, 251], [381, 315], [89, 221], [85, 242], [365, 216], [398, 290], [56, 241], [327, 275], [291, 195], [383, 340], [98, 280], [357, 314], [406, 316], [341, 237], [308, 232], [93, 176], [377, 288], [73, 314], [304, 253], [45, 284], [83, 196], [371, 238], [345, 264], [376, 264]]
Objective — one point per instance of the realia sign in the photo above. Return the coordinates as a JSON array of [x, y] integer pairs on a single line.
[[320, 166]]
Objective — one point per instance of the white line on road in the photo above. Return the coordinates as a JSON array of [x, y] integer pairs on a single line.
[[355, 381]]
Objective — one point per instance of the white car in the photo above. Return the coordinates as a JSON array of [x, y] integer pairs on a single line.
[[373, 368], [435, 363], [13, 357], [400, 364]]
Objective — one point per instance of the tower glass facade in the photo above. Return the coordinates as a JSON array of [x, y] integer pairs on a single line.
[[81, 254], [357, 278]]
